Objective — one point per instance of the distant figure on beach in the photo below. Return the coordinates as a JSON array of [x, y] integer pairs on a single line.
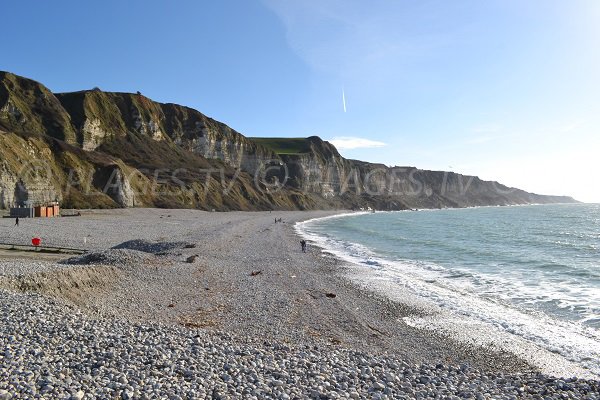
[[303, 245], [275, 220], [17, 221]]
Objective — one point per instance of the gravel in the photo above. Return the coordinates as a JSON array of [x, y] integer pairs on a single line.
[[52, 350], [114, 257], [157, 326], [22, 267], [160, 248]]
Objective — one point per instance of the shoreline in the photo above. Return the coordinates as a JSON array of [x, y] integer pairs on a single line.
[[235, 274], [432, 316]]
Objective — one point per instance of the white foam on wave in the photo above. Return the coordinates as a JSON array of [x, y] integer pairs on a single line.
[[559, 348]]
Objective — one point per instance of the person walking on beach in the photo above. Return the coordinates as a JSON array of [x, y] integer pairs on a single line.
[[303, 245], [17, 221]]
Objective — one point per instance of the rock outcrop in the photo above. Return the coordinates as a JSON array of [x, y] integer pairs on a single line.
[[100, 149]]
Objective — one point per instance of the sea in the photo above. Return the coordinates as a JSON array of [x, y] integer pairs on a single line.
[[523, 279]]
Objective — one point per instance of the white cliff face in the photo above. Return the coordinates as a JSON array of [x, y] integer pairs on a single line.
[[329, 178], [154, 129], [30, 178], [231, 152], [93, 134], [116, 185], [124, 196], [151, 127], [7, 189], [15, 191], [207, 145], [41, 192], [226, 145]]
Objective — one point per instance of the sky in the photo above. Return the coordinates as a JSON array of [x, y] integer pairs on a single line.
[[507, 90]]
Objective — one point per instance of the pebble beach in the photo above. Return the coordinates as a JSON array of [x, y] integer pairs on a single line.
[[186, 304]]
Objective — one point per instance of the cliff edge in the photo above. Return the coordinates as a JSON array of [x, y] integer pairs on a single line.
[[102, 149]]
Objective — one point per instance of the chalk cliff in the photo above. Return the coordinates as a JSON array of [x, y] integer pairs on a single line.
[[101, 149]]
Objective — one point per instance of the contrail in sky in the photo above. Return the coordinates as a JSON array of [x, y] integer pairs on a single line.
[[344, 99]]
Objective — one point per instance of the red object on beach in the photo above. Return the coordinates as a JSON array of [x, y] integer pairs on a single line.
[[36, 241]]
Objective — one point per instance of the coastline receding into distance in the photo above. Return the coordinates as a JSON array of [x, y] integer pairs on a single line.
[[286, 200], [98, 149]]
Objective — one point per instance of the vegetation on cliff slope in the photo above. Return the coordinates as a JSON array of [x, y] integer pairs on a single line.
[[284, 145], [99, 149]]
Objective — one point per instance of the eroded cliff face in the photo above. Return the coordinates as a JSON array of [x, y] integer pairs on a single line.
[[102, 149], [35, 170], [320, 170], [99, 117], [25, 168], [199, 134], [355, 183]]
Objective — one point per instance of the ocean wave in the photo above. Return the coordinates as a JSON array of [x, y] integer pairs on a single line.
[[518, 310]]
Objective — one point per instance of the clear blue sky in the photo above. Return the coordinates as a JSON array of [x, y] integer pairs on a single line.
[[507, 90]]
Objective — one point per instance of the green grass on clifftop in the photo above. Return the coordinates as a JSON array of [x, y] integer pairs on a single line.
[[284, 145]]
